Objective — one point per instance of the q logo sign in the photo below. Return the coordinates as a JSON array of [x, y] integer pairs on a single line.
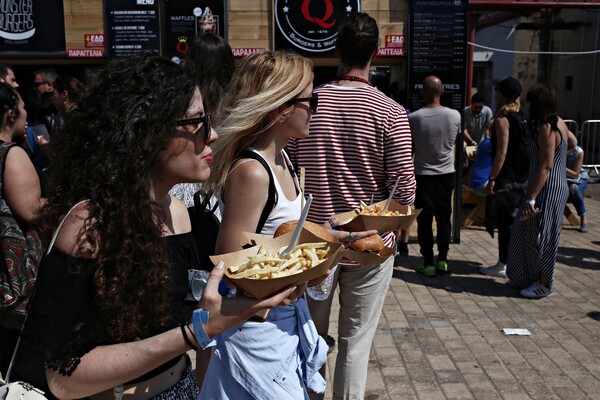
[[311, 25]]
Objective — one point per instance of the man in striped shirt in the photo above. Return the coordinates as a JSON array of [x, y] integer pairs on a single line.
[[359, 144]]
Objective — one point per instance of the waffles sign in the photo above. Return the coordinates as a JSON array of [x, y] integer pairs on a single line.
[[16, 19], [310, 26]]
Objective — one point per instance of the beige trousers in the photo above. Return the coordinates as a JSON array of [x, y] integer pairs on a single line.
[[362, 292]]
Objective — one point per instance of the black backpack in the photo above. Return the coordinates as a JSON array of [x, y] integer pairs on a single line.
[[205, 224]]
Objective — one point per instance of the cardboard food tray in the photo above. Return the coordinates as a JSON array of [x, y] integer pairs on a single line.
[[350, 221], [261, 288], [253, 239], [369, 259]]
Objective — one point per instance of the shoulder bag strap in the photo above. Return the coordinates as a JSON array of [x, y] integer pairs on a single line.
[[271, 200], [54, 235]]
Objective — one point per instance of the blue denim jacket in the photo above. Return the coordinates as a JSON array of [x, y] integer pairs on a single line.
[[275, 359]]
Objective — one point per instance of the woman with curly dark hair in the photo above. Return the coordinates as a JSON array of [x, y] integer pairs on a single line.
[[538, 223], [108, 312]]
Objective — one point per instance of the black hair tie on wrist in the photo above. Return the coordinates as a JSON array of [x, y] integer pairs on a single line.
[[186, 338]]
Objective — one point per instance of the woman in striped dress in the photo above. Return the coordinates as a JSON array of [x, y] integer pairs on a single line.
[[536, 231]]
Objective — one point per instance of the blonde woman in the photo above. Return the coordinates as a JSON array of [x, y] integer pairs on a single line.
[[269, 100], [507, 182]]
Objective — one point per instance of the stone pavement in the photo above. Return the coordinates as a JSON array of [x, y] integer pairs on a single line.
[[440, 338]]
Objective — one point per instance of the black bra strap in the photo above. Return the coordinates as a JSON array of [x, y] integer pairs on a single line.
[[271, 200]]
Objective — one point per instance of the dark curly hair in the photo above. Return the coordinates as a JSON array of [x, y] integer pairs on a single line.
[[105, 154]]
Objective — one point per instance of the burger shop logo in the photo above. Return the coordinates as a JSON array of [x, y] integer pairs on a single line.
[[182, 45], [16, 19], [311, 25]]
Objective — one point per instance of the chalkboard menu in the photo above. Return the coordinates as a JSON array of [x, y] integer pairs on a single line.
[[438, 46], [132, 26], [187, 18]]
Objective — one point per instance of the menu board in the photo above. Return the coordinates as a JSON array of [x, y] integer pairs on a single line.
[[438, 37], [187, 18], [132, 26]]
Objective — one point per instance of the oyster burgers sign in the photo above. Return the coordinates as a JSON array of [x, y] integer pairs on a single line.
[[16, 19]]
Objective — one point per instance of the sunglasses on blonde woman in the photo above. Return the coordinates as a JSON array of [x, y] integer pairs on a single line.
[[203, 121], [313, 101]]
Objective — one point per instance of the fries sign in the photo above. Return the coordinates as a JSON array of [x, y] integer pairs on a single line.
[[351, 221], [261, 288]]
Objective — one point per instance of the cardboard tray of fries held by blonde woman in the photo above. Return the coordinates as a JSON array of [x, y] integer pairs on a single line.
[[366, 217], [260, 272]]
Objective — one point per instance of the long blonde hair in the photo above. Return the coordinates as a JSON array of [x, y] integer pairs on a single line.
[[504, 105], [260, 86]]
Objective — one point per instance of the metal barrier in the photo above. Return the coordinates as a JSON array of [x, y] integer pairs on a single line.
[[589, 141], [573, 127]]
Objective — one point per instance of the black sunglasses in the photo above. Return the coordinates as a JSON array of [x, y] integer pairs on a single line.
[[199, 121], [37, 84], [313, 100]]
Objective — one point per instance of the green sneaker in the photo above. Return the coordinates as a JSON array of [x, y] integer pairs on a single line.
[[442, 267], [427, 270]]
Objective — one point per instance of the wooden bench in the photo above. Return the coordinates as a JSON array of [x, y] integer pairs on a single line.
[[469, 197], [572, 216]]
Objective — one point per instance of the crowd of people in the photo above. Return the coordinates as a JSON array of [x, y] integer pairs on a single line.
[[106, 174]]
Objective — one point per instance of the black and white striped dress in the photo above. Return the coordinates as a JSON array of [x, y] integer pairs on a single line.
[[534, 241]]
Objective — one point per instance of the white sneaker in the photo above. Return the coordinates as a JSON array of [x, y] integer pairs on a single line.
[[497, 270], [536, 291]]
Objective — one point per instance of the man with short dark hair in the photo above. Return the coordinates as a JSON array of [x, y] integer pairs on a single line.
[[478, 120], [359, 145], [434, 131], [8, 75]]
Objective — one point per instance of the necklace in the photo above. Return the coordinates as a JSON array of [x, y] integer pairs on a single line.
[[352, 78]]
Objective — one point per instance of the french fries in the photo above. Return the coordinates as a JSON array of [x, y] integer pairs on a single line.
[[265, 265], [375, 210]]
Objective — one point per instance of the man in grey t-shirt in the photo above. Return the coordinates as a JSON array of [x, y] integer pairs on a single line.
[[478, 120], [434, 131]]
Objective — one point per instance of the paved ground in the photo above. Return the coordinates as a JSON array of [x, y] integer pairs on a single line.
[[440, 338]]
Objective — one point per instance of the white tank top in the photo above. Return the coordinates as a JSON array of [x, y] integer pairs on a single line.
[[284, 209]]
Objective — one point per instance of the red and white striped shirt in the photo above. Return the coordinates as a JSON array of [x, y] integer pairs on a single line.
[[359, 143]]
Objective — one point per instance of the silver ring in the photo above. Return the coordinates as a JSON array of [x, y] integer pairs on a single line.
[[350, 238]]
